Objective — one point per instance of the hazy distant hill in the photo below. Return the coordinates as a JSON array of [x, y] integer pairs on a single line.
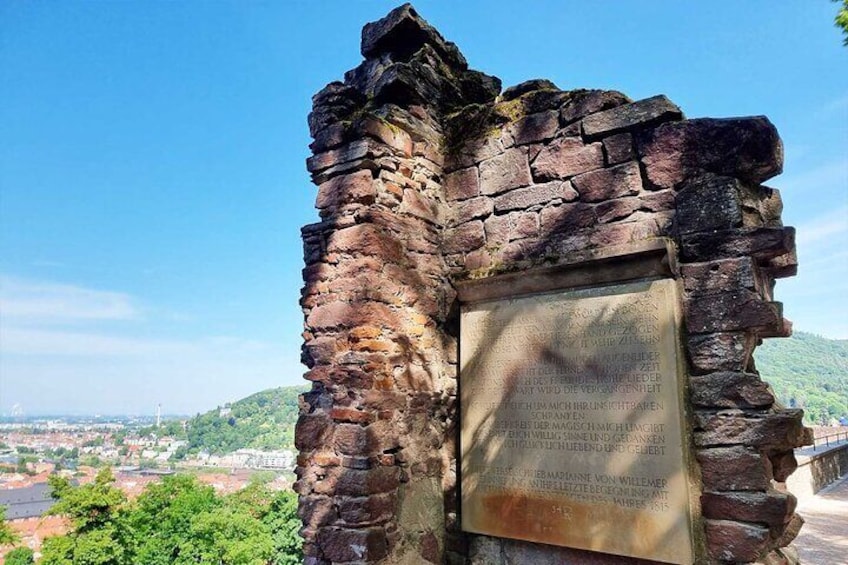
[[264, 420], [807, 371]]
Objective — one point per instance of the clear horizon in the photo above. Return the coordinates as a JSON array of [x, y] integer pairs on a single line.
[[152, 176]]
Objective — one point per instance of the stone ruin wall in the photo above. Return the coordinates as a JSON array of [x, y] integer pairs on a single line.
[[428, 176]]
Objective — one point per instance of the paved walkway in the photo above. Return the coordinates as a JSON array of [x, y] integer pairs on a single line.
[[824, 538]]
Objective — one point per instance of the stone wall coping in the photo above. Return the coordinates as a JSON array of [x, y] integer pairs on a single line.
[[648, 259]]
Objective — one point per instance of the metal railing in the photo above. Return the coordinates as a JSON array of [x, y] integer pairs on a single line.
[[830, 439]]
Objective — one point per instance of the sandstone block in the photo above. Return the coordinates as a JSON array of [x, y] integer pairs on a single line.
[[473, 151], [312, 431], [608, 235], [762, 243], [709, 202], [520, 89], [345, 414], [779, 429], [782, 266], [523, 198], [346, 315], [403, 31], [567, 218], [497, 230], [566, 157], [619, 148], [505, 172], [731, 311], [523, 224], [343, 189], [585, 102], [343, 545], [783, 462], [730, 390], [535, 127], [773, 508], [617, 209], [639, 114], [329, 137], [462, 184], [733, 469], [478, 259], [718, 276], [735, 542], [465, 238], [745, 148], [389, 134], [418, 205], [318, 351], [366, 239], [316, 511], [471, 209], [605, 184], [371, 481], [725, 351], [368, 510], [351, 152]]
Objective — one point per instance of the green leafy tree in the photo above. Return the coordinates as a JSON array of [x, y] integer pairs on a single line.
[[57, 550], [88, 506], [176, 522], [227, 535], [95, 512], [20, 556], [284, 524], [162, 519], [7, 535], [841, 20], [808, 371]]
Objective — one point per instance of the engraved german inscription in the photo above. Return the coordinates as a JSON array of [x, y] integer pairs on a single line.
[[571, 422]]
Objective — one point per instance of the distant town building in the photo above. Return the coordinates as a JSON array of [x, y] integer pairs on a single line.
[[26, 502]]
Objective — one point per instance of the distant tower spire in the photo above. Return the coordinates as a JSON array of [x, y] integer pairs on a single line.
[[158, 415]]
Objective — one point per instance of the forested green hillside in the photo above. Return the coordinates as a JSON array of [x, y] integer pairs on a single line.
[[808, 371], [264, 420]]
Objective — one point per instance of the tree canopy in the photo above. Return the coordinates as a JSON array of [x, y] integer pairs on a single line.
[[176, 522], [841, 20]]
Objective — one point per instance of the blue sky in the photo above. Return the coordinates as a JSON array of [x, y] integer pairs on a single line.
[[152, 179]]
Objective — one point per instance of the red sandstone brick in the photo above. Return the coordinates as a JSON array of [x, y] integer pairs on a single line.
[[566, 157], [388, 133], [462, 184], [368, 510], [735, 542], [311, 431], [619, 148], [504, 172], [733, 469], [567, 218], [464, 238], [605, 184], [344, 545], [773, 508], [351, 415], [366, 239], [355, 187]]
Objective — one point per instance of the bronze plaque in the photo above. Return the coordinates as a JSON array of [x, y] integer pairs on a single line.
[[571, 421]]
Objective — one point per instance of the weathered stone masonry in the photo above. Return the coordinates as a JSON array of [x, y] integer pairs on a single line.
[[428, 176]]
